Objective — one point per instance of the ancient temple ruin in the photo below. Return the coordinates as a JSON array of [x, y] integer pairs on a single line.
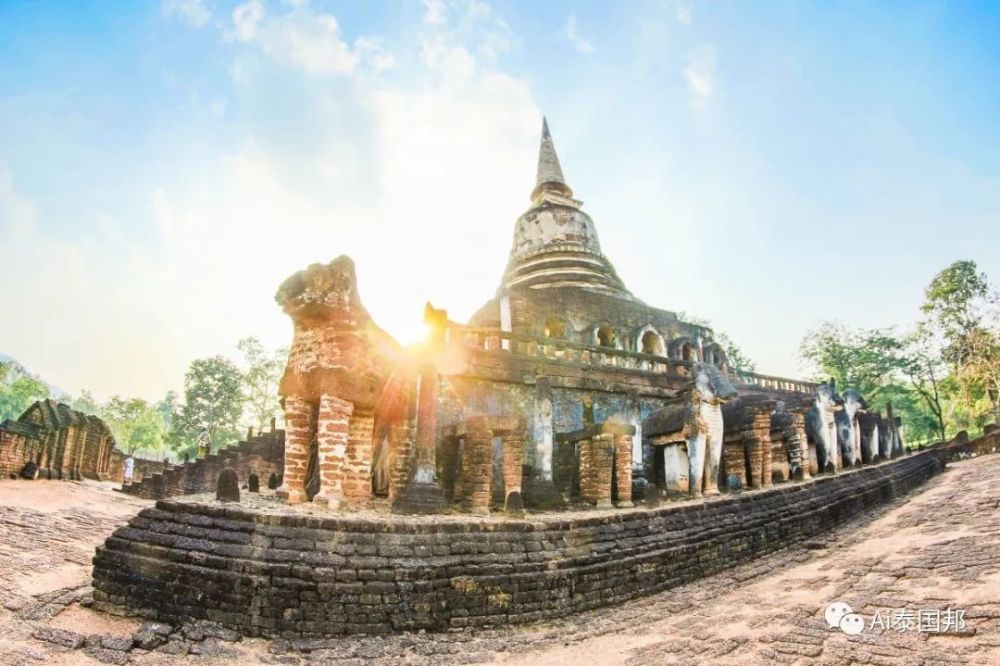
[[59, 443], [563, 392], [564, 388]]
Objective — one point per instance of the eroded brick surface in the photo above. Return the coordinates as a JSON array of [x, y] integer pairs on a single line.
[[938, 548]]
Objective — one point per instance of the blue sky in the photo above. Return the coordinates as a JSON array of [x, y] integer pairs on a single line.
[[767, 166]]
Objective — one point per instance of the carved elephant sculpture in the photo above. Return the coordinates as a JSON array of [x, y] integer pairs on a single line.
[[849, 428], [821, 426], [695, 419]]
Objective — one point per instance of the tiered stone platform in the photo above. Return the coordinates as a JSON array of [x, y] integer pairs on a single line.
[[264, 568]]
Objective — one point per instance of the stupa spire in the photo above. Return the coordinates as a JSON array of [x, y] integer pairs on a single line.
[[550, 176]]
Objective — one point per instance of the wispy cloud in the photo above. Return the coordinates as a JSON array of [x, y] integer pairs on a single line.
[[193, 11], [434, 12], [571, 32], [684, 13], [700, 76], [309, 39]]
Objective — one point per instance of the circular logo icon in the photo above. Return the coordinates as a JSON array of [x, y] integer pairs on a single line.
[[852, 624], [835, 612]]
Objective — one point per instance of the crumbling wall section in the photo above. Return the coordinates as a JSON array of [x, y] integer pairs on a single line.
[[299, 575]]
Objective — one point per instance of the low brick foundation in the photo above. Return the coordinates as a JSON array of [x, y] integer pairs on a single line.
[[295, 575]]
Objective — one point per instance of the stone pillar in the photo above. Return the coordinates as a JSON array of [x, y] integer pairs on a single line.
[[624, 444], [539, 488], [422, 493], [477, 466], [357, 477], [634, 419], [332, 428], [542, 431], [298, 438], [596, 458], [513, 470]]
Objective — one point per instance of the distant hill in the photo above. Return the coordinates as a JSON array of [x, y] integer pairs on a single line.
[[54, 390]]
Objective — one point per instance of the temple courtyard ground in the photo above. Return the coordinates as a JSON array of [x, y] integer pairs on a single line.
[[932, 558]]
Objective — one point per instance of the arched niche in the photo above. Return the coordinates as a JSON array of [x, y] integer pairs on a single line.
[[684, 349], [649, 341], [605, 336], [716, 355], [555, 328]]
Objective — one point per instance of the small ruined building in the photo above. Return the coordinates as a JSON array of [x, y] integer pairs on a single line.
[[562, 388], [60, 443]]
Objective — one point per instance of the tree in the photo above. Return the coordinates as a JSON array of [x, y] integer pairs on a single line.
[[979, 369], [865, 360], [18, 390], [85, 403], [922, 364], [261, 374], [137, 426], [884, 367], [738, 360], [959, 305], [955, 298], [213, 401]]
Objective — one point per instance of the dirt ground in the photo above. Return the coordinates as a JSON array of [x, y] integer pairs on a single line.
[[936, 550]]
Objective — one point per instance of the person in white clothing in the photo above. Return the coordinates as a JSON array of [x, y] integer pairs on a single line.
[[129, 469]]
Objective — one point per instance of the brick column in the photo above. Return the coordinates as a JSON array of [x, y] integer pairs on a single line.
[[734, 459], [624, 443], [448, 461], [298, 438], [513, 470], [798, 445], [422, 493], [357, 477], [596, 459], [332, 429], [78, 449], [477, 467], [757, 439], [66, 457]]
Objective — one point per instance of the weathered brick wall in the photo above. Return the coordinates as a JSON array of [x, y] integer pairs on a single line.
[[960, 450], [15, 450], [584, 311], [262, 455], [64, 443], [298, 575]]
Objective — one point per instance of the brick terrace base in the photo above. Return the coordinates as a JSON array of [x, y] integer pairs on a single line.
[[294, 575]]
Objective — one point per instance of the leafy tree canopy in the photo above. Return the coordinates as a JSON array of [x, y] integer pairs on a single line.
[[19, 389]]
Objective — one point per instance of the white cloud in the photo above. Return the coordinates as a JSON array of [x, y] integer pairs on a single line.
[[572, 33], [451, 149], [309, 40], [700, 74], [684, 14], [193, 11], [246, 17], [223, 253], [434, 12]]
